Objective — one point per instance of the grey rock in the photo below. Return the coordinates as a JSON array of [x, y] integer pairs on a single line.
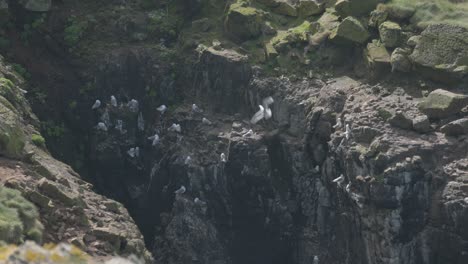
[[421, 124], [456, 128], [36, 5], [441, 104], [401, 120]]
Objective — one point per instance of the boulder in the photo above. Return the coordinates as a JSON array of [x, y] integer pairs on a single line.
[[399, 119], [350, 30], [413, 41], [243, 22], [456, 128], [36, 5], [309, 8], [355, 7], [377, 57], [297, 34], [441, 104], [390, 34], [51, 190], [421, 124], [400, 60], [442, 49], [377, 17]]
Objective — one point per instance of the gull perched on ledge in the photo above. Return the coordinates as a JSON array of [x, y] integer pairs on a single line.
[[113, 101], [196, 109], [347, 132], [101, 126], [181, 190], [223, 158], [175, 127], [338, 123], [264, 111], [133, 105], [96, 104], [155, 139], [162, 109], [339, 180], [206, 121]]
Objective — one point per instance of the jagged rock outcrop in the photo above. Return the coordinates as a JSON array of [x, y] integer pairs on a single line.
[[68, 207]]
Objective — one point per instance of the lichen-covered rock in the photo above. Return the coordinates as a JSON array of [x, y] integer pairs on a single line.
[[441, 103], [19, 218], [355, 7], [350, 30], [36, 5], [390, 34], [442, 49], [30, 252], [400, 60], [243, 22]]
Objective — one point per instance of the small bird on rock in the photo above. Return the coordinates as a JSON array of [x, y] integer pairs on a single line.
[[113, 101], [131, 152], [338, 124], [223, 157], [264, 111], [141, 122], [133, 105], [258, 115], [339, 180], [162, 109], [175, 127], [196, 109], [101, 126], [347, 132], [249, 133], [155, 139], [187, 160], [181, 190], [206, 121], [316, 260], [96, 105]]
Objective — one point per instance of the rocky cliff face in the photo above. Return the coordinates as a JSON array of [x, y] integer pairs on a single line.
[[363, 161]]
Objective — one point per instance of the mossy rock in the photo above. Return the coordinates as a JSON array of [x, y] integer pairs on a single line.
[[285, 8], [390, 34], [243, 22], [12, 141], [36, 5], [350, 30], [19, 218], [292, 36]]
